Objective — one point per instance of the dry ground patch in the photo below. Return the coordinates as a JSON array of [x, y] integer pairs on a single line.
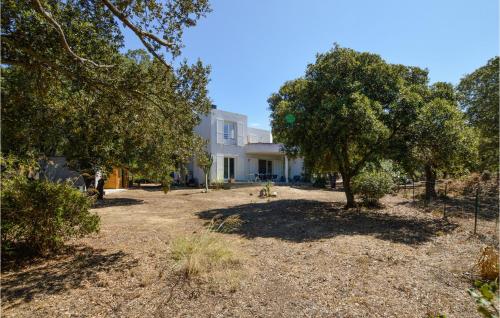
[[303, 256]]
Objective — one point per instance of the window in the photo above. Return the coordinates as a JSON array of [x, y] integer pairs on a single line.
[[229, 133]]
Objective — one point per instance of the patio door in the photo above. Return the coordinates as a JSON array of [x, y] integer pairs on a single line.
[[228, 168], [265, 167]]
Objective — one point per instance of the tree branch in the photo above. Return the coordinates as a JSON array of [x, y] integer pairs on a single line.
[[140, 33], [57, 26]]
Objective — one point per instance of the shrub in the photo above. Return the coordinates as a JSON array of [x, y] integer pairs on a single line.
[[486, 296], [372, 185], [40, 215], [396, 172], [217, 184], [265, 192], [319, 182], [201, 254], [166, 183]]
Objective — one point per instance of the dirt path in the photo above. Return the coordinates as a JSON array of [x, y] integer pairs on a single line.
[[304, 257]]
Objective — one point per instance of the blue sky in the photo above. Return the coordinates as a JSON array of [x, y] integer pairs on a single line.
[[255, 46]]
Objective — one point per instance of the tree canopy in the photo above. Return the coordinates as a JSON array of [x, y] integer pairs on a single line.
[[442, 142], [478, 96], [352, 109], [349, 108], [69, 90]]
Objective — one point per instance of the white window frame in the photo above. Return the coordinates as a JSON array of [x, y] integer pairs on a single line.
[[229, 133]]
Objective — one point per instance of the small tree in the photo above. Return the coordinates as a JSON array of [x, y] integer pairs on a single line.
[[205, 161], [443, 141]]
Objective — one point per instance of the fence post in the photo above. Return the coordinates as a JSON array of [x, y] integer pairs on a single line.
[[476, 210], [445, 198]]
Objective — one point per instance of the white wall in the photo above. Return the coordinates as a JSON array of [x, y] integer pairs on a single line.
[[208, 129], [220, 150], [295, 167]]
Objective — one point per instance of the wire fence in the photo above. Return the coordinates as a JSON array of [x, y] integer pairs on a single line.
[[479, 200]]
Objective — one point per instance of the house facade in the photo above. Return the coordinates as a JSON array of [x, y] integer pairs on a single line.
[[242, 153]]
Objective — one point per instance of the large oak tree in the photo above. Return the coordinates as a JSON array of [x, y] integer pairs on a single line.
[[69, 90], [347, 111]]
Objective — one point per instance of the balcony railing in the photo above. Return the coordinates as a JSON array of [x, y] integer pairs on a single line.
[[264, 148]]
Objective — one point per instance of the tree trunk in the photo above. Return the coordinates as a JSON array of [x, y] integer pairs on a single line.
[[206, 182], [333, 180], [346, 181], [430, 183]]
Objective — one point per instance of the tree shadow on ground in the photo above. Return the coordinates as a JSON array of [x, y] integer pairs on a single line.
[[313, 188], [62, 273], [308, 220], [461, 207], [107, 202]]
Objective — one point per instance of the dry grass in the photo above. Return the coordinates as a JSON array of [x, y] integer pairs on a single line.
[[225, 225], [488, 263], [300, 255], [202, 254]]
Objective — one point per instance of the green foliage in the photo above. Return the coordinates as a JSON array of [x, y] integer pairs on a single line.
[[135, 113], [205, 161], [372, 185], [486, 296], [166, 183], [217, 184], [396, 172], [265, 192], [443, 140], [349, 109], [319, 182], [478, 96], [40, 215]]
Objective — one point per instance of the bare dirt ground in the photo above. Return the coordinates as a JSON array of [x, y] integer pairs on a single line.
[[304, 256]]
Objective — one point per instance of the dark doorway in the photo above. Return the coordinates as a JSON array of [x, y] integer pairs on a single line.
[[228, 168]]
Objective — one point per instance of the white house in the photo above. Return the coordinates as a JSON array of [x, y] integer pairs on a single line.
[[242, 153]]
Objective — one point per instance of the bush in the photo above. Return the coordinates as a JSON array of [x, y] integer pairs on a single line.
[[396, 172], [319, 182], [40, 215], [265, 192], [486, 296], [166, 183], [201, 254], [217, 184], [372, 185]]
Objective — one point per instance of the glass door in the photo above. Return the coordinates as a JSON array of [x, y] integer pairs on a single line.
[[228, 168]]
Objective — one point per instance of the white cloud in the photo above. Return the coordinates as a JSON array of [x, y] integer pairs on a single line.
[[254, 125]]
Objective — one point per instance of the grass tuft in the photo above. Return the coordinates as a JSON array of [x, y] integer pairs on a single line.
[[228, 225], [202, 254]]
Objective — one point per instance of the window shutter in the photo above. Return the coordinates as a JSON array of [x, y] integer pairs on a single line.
[[240, 134], [220, 167], [220, 131]]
